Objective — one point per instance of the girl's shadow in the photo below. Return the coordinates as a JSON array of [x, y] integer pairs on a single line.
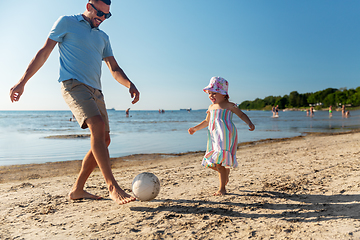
[[302, 207]]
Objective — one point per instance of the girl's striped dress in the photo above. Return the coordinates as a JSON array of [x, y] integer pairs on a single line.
[[222, 140]]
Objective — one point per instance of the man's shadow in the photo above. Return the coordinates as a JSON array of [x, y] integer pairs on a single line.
[[299, 207]]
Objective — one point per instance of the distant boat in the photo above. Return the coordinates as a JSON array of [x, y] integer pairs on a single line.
[[185, 109], [111, 109]]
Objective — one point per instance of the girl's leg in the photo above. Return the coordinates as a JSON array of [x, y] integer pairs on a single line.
[[227, 172], [214, 168], [223, 179]]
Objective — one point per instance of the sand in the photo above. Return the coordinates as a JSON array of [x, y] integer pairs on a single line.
[[300, 188]]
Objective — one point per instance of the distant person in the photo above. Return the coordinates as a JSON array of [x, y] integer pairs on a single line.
[[222, 138], [311, 111], [347, 114], [273, 110], [307, 112], [127, 112], [343, 110], [72, 119], [83, 47], [330, 111], [277, 111]]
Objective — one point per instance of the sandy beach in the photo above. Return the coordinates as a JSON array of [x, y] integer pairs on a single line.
[[300, 188]]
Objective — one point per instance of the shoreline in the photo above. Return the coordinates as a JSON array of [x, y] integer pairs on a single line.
[[56, 169], [305, 187]]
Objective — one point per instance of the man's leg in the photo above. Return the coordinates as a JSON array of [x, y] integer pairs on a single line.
[[88, 165], [101, 155]]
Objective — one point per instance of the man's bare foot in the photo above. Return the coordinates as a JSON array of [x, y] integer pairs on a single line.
[[220, 193], [121, 197], [81, 194]]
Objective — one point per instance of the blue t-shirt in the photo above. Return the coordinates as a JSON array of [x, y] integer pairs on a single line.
[[82, 49]]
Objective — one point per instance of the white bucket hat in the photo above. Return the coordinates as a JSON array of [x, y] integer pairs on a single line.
[[218, 85]]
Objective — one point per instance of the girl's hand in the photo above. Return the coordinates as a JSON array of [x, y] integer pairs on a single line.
[[252, 127], [191, 131]]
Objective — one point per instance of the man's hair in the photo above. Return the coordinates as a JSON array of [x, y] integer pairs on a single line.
[[107, 2]]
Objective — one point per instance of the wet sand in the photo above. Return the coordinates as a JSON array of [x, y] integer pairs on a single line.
[[300, 188]]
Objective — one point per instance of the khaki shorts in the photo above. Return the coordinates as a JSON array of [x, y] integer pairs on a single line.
[[84, 102]]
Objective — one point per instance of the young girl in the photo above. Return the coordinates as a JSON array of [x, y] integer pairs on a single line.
[[222, 134]]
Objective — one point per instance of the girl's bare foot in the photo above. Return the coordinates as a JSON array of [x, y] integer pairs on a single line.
[[220, 193], [121, 197], [82, 194]]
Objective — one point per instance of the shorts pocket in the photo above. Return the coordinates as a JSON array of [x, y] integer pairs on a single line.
[[70, 84]]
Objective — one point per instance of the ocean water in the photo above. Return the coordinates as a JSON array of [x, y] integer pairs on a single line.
[[23, 134]]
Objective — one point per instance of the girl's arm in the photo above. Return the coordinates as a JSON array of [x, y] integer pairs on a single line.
[[201, 125], [243, 117]]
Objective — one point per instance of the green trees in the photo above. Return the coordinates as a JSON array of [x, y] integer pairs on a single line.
[[319, 96], [327, 97], [282, 101], [256, 104]]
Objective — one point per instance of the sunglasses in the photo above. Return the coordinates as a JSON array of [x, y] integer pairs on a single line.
[[101, 13]]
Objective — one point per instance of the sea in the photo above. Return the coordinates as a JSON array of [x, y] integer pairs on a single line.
[[28, 137]]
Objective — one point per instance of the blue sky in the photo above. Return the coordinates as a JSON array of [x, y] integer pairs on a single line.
[[170, 49]]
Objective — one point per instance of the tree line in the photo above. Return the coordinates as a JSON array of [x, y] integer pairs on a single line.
[[323, 98]]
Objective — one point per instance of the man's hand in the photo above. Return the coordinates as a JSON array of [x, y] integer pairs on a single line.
[[134, 93], [16, 91]]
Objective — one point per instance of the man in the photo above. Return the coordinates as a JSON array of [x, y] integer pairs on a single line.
[[82, 48]]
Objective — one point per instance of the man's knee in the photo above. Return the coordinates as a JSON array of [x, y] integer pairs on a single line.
[[96, 124], [98, 128]]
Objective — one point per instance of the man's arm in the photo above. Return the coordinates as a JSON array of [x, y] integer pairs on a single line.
[[36, 63], [121, 77]]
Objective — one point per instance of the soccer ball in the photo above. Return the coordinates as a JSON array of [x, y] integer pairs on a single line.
[[146, 186]]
